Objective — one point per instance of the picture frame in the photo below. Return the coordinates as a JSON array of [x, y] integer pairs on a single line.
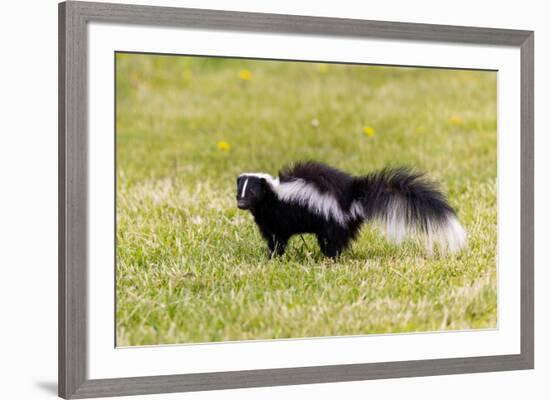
[[74, 18]]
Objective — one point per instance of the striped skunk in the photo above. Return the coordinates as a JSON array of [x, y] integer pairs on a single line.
[[311, 197]]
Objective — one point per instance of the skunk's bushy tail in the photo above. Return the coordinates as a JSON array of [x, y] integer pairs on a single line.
[[406, 203]]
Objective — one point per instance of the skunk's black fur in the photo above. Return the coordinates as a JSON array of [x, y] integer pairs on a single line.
[[311, 197]]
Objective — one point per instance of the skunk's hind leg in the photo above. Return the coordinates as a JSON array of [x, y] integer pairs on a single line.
[[333, 241], [329, 247], [276, 245]]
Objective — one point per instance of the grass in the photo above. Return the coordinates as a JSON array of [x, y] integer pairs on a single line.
[[191, 267]]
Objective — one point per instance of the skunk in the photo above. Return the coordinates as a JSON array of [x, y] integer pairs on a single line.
[[311, 197]]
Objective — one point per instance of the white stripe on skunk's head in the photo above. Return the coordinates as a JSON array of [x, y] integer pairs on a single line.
[[252, 187]]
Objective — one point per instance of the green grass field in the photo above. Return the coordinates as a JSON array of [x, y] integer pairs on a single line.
[[191, 267]]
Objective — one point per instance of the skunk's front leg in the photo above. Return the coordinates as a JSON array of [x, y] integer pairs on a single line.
[[276, 244]]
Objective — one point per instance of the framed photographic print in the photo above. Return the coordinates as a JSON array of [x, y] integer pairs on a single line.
[[254, 200]]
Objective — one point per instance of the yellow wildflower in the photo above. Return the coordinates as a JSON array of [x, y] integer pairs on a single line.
[[455, 120], [187, 74], [223, 145], [369, 131], [245, 75], [419, 130], [323, 68]]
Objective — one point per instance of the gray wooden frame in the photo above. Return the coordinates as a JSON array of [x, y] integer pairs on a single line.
[[73, 172]]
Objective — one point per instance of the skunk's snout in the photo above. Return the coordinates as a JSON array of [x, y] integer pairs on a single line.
[[242, 204]]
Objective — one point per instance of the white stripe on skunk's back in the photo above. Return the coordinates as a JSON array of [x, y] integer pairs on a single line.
[[307, 195]]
